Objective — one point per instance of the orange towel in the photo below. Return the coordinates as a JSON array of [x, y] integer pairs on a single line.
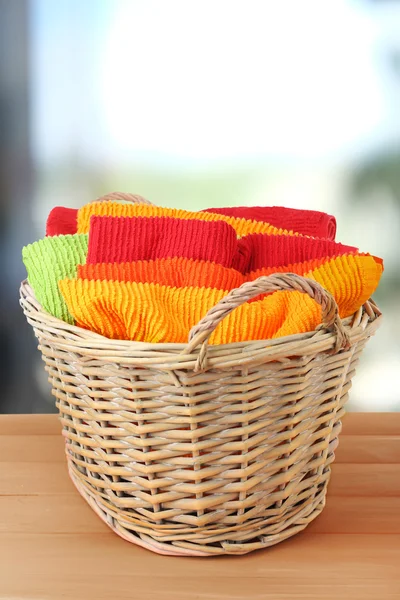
[[174, 272], [159, 313], [116, 209], [154, 313], [351, 279]]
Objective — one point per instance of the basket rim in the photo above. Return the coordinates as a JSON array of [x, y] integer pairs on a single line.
[[64, 335]]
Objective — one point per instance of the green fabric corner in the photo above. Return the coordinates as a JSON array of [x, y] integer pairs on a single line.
[[49, 260]]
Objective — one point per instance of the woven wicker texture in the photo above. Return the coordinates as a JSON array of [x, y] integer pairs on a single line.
[[204, 450]]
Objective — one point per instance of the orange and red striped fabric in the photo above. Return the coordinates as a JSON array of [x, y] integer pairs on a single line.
[[152, 273]]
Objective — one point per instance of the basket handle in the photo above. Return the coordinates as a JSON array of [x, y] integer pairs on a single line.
[[200, 333], [115, 196]]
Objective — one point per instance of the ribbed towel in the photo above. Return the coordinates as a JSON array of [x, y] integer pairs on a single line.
[[258, 250], [313, 223], [306, 222], [174, 272], [62, 221], [49, 260], [126, 239], [351, 279], [159, 313], [115, 209]]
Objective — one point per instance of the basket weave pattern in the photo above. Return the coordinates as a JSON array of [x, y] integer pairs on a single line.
[[204, 450], [201, 450]]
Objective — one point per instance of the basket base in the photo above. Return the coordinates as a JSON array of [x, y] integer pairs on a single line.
[[190, 549]]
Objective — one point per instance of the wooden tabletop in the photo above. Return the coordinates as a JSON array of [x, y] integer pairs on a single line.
[[54, 546]]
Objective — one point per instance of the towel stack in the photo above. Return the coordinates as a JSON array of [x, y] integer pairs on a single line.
[[144, 273]]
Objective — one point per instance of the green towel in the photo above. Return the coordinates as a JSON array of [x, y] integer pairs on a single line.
[[49, 260]]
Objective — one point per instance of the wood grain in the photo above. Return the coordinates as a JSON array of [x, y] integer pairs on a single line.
[[49, 478], [310, 566], [368, 449], [71, 514], [32, 448], [375, 424], [365, 480], [371, 424], [37, 478], [29, 425], [53, 546]]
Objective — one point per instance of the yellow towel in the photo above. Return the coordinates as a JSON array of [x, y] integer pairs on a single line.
[[157, 313], [116, 209]]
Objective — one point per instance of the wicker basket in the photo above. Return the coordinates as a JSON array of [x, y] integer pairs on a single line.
[[203, 450]]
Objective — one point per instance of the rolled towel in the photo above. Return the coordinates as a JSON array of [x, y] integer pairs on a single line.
[[49, 260], [62, 221], [155, 313], [174, 272], [115, 209], [259, 250], [351, 279], [307, 222], [127, 239]]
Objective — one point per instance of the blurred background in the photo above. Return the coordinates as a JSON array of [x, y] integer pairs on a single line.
[[199, 104]]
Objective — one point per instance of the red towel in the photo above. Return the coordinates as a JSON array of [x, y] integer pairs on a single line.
[[259, 251], [306, 222], [127, 239], [62, 221]]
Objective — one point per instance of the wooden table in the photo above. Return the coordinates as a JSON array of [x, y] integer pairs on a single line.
[[54, 547]]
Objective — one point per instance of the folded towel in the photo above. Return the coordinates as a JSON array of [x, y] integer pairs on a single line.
[[125, 239], [155, 313], [115, 209], [351, 279], [62, 221], [174, 272], [306, 222], [49, 260], [313, 223], [259, 250]]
